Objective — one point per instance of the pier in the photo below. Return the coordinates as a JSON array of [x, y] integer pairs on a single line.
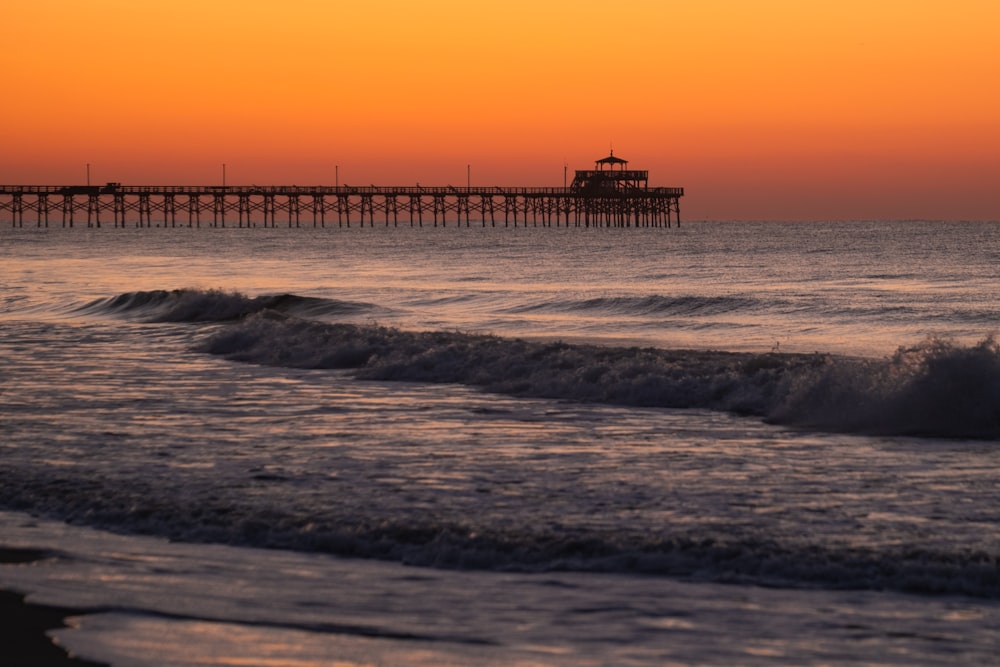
[[610, 195]]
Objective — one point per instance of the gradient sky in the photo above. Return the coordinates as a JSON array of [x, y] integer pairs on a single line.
[[762, 109]]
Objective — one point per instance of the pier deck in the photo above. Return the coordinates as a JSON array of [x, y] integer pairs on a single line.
[[321, 206]]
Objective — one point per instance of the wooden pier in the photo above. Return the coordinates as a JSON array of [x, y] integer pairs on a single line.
[[602, 197]]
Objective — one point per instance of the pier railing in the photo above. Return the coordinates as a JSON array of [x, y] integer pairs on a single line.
[[263, 205]]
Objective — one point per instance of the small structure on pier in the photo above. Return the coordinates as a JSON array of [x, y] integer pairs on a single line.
[[610, 182]]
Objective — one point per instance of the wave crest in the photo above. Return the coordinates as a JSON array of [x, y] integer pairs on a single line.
[[194, 305], [934, 389]]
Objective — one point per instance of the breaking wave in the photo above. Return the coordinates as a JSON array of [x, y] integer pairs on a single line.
[[193, 305], [934, 389]]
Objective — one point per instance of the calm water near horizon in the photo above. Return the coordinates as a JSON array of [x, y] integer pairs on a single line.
[[728, 443]]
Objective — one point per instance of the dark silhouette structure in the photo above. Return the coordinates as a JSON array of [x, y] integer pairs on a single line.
[[610, 195]]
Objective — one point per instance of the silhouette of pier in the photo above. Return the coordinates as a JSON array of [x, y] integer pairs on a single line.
[[610, 195]]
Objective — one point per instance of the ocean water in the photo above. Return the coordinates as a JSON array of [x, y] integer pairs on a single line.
[[727, 443]]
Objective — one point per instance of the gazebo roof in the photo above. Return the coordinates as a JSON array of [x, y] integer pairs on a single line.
[[611, 159]]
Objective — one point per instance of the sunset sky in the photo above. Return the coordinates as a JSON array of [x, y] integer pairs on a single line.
[[761, 109]]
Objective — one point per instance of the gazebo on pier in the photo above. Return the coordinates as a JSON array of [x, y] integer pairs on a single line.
[[610, 176]]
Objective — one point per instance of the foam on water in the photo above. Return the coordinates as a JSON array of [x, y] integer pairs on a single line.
[[303, 512], [178, 443], [936, 388]]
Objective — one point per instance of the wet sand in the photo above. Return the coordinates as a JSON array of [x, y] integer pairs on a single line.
[[23, 625]]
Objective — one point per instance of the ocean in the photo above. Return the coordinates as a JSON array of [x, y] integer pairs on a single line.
[[747, 443]]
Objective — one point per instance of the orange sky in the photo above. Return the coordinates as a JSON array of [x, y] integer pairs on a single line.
[[763, 109]]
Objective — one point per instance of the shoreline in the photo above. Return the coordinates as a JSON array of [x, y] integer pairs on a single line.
[[24, 625]]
